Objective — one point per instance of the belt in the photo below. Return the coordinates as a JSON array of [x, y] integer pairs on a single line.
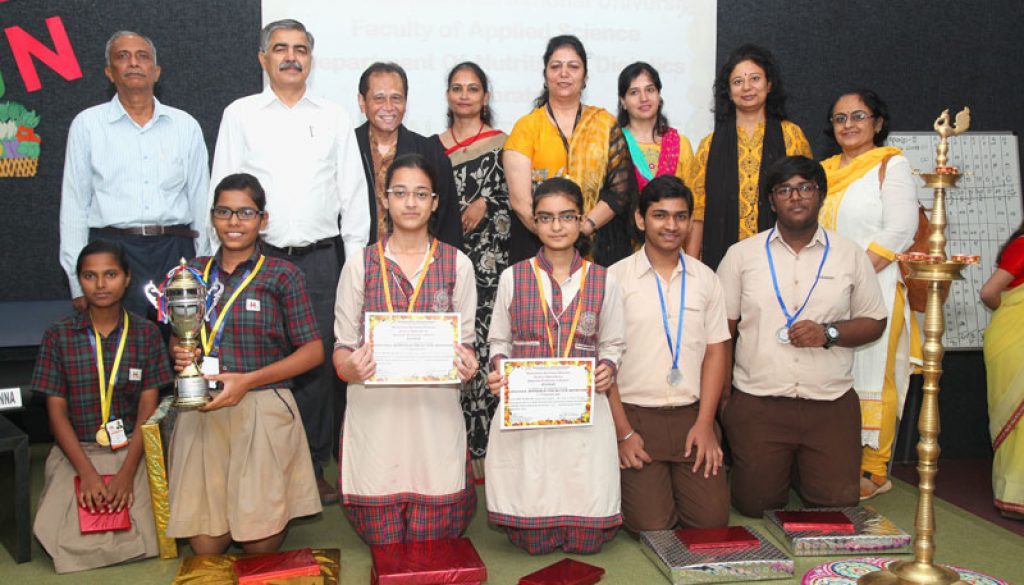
[[303, 250], [152, 230]]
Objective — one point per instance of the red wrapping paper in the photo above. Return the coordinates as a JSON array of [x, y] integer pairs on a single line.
[[826, 522], [100, 521], [434, 562], [259, 569], [731, 537], [564, 572]]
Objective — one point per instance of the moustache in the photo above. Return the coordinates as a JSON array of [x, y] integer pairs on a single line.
[[290, 65]]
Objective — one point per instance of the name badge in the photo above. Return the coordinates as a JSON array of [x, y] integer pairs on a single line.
[[252, 305], [135, 374], [115, 430], [210, 366]]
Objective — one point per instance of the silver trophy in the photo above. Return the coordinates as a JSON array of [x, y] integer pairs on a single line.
[[184, 301]]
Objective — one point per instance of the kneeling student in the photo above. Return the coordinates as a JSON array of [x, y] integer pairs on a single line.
[[240, 467], [102, 365], [671, 376], [799, 298]]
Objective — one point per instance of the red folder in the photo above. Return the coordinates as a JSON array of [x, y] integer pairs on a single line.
[[433, 562], [826, 522], [259, 569], [717, 538], [101, 520], [564, 572]]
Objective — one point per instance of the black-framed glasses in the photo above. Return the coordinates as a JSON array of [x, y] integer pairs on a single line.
[[546, 218], [856, 116], [420, 195], [243, 213], [801, 191]]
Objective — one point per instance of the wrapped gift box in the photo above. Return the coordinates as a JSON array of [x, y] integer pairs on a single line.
[[742, 563], [156, 434], [433, 562], [220, 569], [564, 572], [872, 532], [261, 569], [100, 520]]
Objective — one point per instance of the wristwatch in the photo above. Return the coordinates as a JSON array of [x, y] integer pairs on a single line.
[[831, 335]]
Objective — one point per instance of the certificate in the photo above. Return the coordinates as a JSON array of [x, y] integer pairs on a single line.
[[545, 393], [413, 348]]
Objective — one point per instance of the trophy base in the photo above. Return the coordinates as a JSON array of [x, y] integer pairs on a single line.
[[191, 393], [912, 573]]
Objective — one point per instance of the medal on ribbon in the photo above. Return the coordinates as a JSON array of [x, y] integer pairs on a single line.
[[782, 335], [675, 376]]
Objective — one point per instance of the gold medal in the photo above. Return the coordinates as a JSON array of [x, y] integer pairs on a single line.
[[102, 438]]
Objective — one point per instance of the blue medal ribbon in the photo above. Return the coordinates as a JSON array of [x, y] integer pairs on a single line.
[[673, 349], [790, 319]]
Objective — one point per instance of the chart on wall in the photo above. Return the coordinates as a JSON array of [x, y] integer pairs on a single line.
[[982, 211]]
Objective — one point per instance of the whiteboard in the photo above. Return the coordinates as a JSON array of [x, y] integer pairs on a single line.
[[981, 212]]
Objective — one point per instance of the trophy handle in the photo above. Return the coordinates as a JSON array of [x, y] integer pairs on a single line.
[[213, 297], [153, 294]]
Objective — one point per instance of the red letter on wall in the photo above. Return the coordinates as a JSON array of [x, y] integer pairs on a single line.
[[62, 59]]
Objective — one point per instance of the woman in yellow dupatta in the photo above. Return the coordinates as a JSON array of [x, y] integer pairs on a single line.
[[564, 137], [1004, 367], [872, 200]]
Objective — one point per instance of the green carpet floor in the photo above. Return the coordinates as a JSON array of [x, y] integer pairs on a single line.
[[963, 539]]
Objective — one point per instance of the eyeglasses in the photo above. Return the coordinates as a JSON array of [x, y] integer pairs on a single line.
[[243, 213], [420, 196], [857, 117], [546, 218], [802, 191]]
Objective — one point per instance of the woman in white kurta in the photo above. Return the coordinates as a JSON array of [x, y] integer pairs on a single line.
[[404, 472], [872, 200], [557, 487]]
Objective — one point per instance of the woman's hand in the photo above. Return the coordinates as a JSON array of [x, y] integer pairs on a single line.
[[603, 378], [356, 366], [235, 385], [119, 490], [92, 493], [472, 215], [465, 362]]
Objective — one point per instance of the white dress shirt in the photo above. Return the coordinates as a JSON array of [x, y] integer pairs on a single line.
[[119, 174], [307, 160]]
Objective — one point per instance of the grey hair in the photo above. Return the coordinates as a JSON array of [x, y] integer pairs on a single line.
[[284, 24], [128, 33]]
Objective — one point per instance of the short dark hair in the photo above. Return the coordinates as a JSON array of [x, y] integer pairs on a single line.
[[878, 107], [555, 43], [242, 182], [664, 187], [788, 167], [115, 249], [486, 115], [382, 67], [763, 58], [626, 77]]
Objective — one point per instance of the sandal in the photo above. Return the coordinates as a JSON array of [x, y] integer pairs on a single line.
[[870, 486]]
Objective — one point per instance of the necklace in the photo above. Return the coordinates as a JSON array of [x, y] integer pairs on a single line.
[[464, 145]]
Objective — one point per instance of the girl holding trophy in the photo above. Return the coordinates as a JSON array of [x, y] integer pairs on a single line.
[[100, 370], [240, 466], [404, 468]]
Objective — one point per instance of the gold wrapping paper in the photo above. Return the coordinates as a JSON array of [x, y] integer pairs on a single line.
[[220, 569], [156, 470]]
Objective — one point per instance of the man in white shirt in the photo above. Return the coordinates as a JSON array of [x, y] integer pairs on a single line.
[[303, 150], [135, 171]]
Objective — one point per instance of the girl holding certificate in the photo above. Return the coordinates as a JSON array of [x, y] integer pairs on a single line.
[[240, 469], [404, 468], [100, 370], [553, 487]]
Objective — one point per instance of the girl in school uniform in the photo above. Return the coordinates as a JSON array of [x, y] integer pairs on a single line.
[[240, 466], [557, 487], [404, 469], [100, 366]]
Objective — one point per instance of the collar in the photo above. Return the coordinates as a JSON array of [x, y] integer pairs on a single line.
[[82, 321], [642, 264], [250, 261], [818, 239], [267, 97], [545, 265], [116, 111]]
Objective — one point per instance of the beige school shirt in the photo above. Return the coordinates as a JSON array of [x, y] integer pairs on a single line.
[[847, 289], [645, 366]]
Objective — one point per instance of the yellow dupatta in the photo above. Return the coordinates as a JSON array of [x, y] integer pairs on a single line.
[[1004, 354], [839, 179], [587, 164]]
